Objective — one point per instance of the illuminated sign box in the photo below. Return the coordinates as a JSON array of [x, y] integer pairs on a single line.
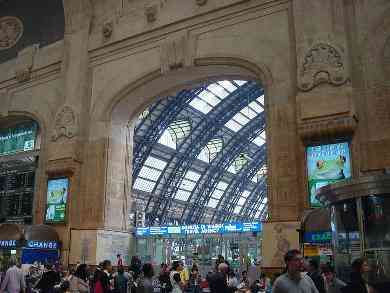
[[318, 237], [57, 195], [200, 229], [43, 244], [9, 243], [326, 164], [20, 138]]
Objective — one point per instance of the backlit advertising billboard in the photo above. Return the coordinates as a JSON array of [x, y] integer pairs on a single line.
[[57, 194]]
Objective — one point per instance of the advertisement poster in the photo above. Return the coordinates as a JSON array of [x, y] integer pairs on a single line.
[[20, 138], [326, 164], [278, 238], [57, 194]]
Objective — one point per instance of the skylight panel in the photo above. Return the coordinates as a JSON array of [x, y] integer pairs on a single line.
[[241, 119], [261, 207], [233, 125], [240, 82], [263, 135], [209, 98], [241, 201], [237, 209], [182, 195], [217, 194], [166, 139], [149, 173], [200, 105], [258, 214], [232, 169], [261, 99], [227, 85], [258, 141], [204, 155], [218, 90], [245, 193], [265, 200], [222, 185], [187, 185], [255, 106], [179, 129], [155, 163], [249, 112], [212, 203], [144, 185], [191, 175]]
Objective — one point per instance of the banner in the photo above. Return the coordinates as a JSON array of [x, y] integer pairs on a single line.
[[326, 164], [57, 194], [19, 138]]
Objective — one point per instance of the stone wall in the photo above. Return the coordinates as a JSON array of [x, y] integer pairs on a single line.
[[324, 65]]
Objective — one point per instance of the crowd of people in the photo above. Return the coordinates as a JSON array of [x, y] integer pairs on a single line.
[[299, 276]]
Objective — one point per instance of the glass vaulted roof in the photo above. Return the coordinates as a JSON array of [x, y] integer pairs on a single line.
[[204, 147]]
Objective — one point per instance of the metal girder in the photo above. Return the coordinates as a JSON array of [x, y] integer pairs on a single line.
[[192, 145], [207, 183], [233, 192], [254, 199], [161, 115]]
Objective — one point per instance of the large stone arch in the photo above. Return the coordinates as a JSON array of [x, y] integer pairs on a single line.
[[128, 102]]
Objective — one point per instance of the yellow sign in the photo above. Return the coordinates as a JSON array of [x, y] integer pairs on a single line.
[[311, 250]]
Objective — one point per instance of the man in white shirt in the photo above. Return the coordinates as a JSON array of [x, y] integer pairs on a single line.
[[293, 281], [14, 280]]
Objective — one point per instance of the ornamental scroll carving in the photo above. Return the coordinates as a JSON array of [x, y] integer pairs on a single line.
[[323, 63], [176, 53], [66, 123], [11, 30]]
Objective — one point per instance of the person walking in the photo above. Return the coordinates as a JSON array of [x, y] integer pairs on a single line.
[[293, 281], [218, 280], [121, 281], [49, 280], [195, 280], [358, 283], [332, 283], [174, 277], [13, 281], [315, 274], [146, 282], [78, 282], [105, 277], [165, 283]]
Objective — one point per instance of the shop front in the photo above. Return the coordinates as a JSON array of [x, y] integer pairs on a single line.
[[316, 235], [29, 244], [360, 222]]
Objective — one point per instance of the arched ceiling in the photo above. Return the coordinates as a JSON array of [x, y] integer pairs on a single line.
[[200, 155]]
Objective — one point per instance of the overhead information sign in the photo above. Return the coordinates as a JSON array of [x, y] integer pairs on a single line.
[[20, 138], [200, 229]]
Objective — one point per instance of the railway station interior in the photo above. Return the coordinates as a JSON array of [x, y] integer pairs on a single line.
[[195, 130]]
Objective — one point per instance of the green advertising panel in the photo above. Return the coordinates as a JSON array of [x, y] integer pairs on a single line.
[[57, 194], [19, 138], [326, 164]]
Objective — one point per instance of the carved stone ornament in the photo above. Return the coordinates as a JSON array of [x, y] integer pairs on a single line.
[[66, 123], [201, 2], [151, 13], [107, 29], [323, 63], [11, 30], [25, 62], [176, 53]]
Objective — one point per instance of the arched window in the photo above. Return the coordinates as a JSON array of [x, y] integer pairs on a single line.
[[210, 151]]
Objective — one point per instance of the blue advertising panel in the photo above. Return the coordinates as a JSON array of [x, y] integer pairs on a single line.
[[318, 237], [326, 164], [200, 229]]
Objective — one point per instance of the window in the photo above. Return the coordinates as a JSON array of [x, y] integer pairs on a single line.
[[241, 161], [210, 151], [175, 133], [149, 174]]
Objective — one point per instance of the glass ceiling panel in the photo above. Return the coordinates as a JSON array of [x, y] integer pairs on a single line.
[[233, 125], [240, 82], [182, 195], [245, 193], [228, 85], [259, 141], [179, 129], [255, 106], [149, 173], [210, 151], [240, 161], [187, 185], [241, 119], [200, 105], [237, 209], [263, 135], [218, 90], [261, 99], [249, 112], [191, 175], [217, 194], [241, 201], [212, 203], [209, 98], [166, 139], [155, 163], [144, 185], [222, 185]]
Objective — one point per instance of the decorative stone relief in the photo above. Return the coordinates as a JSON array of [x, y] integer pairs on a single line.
[[176, 53], [151, 13], [25, 63], [107, 30], [201, 2], [323, 63], [66, 123], [11, 30]]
